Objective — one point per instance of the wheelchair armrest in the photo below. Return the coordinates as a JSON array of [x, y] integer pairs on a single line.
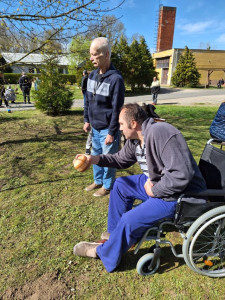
[[211, 192]]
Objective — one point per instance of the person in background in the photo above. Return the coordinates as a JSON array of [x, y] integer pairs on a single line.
[[36, 83], [217, 128], [25, 85], [155, 88], [84, 84], [10, 94], [104, 98], [2, 91]]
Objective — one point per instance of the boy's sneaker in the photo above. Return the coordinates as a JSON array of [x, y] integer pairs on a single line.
[[88, 151]]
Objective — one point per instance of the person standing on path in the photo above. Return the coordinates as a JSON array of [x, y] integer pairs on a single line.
[[25, 85], [104, 98], [155, 88], [84, 84]]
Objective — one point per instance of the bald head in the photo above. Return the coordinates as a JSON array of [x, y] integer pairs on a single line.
[[100, 54], [102, 44]]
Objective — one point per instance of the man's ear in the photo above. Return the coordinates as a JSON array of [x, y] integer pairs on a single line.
[[134, 124], [107, 54]]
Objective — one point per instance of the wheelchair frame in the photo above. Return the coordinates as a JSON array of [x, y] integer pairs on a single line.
[[203, 238]]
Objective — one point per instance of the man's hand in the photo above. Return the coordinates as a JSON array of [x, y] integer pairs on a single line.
[[86, 127], [91, 160], [109, 139], [148, 188]]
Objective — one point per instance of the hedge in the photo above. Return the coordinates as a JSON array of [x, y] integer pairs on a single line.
[[13, 78]]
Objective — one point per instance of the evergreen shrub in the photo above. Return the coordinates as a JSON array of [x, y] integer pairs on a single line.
[[52, 96]]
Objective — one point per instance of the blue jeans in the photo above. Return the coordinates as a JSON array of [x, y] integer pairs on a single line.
[[154, 97], [126, 225], [84, 95], [104, 176]]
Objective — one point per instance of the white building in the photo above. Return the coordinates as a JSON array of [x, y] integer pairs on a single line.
[[32, 63]]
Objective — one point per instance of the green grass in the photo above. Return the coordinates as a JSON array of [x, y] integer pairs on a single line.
[[44, 212]]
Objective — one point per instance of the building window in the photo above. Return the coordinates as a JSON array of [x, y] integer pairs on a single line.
[[162, 63]]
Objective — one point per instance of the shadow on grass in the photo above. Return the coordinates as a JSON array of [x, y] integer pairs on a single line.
[[72, 136], [10, 119], [75, 112], [37, 183], [168, 261]]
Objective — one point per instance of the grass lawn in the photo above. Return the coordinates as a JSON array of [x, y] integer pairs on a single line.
[[44, 212]]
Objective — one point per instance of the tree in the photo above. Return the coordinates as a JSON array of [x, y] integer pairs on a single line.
[[108, 26], [134, 62], [80, 57], [120, 53], [146, 63], [79, 52], [186, 73], [59, 20], [52, 95]]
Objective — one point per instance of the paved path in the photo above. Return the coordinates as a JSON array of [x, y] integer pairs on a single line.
[[167, 96]]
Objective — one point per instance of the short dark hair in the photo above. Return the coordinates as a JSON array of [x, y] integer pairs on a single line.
[[133, 111]]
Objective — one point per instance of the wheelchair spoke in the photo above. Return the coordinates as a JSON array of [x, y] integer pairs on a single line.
[[204, 246]]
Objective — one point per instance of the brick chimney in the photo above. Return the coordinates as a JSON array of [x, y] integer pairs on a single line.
[[166, 28]]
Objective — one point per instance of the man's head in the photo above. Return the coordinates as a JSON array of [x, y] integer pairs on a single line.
[[23, 73], [85, 72], [130, 119], [100, 53]]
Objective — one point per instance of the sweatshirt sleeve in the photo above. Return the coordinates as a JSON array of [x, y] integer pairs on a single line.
[[178, 170], [117, 102], [120, 160]]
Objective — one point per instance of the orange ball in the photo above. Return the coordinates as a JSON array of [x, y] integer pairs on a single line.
[[81, 163]]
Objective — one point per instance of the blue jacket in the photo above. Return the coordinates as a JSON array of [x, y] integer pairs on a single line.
[[104, 100]]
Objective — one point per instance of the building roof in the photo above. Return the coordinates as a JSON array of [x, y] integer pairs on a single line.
[[34, 58]]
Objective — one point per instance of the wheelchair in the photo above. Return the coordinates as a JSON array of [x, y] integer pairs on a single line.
[[201, 223]]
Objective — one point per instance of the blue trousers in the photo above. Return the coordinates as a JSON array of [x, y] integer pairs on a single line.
[[154, 98], [126, 225], [104, 176]]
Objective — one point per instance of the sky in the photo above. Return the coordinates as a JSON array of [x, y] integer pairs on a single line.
[[198, 25]]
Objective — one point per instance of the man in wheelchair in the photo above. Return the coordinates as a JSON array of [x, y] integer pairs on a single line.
[[168, 170]]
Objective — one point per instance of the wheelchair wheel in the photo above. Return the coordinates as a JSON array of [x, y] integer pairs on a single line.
[[204, 246], [143, 265]]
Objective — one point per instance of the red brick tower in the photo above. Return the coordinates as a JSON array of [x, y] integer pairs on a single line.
[[166, 28]]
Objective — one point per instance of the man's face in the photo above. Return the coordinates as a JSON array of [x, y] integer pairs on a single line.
[[98, 59], [129, 133]]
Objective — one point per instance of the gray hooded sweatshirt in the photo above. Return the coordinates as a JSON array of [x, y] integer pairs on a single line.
[[171, 166]]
